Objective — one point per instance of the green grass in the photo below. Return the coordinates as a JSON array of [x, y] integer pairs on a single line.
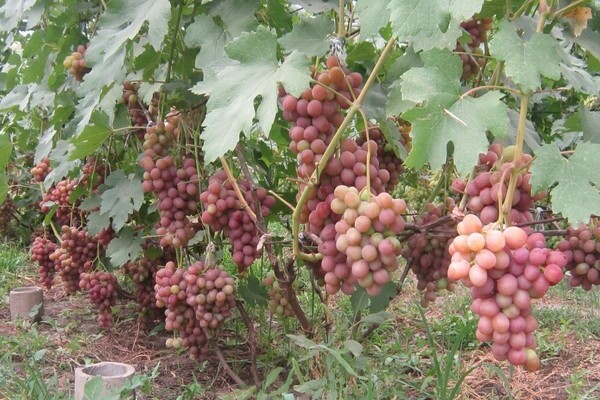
[[13, 263]]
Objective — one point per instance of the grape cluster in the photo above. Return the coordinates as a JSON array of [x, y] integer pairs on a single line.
[[102, 289], [581, 246], [41, 249], [75, 63], [137, 110], [92, 173], [477, 29], [427, 251], [177, 191], [196, 299], [366, 236], [159, 137], [388, 161], [491, 183], [505, 270], [223, 211], [41, 170], [7, 211], [278, 304], [66, 213], [75, 255]]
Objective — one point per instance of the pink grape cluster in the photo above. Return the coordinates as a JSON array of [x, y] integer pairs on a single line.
[[223, 211], [92, 173], [66, 212], [505, 270], [581, 246], [75, 62], [143, 272], [41, 170], [477, 29], [7, 210], [427, 251], [366, 236], [41, 249], [177, 191], [278, 304], [102, 290], [135, 107], [75, 255], [491, 184], [388, 161]]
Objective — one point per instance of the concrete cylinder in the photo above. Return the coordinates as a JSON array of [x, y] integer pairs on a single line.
[[22, 300], [113, 375]]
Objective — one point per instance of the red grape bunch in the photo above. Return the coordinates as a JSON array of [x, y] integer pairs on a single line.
[[75, 255], [7, 211], [142, 272], [41, 170], [223, 211], [278, 304], [66, 213], [92, 173], [171, 294], [102, 290], [581, 246], [41, 249], [177, 191], [428, 254], [210, 291], [477, 29], [505, 270], [137, 110], [388, 161], [366, 235], [492, 180], [75, 63]]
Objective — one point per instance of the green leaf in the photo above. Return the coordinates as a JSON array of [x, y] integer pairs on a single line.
[[13, 11], [442, 116], [273, 375], [93, 388], [572, 182], [253, 292], [372, 16], [5, 150], [354, 347], [211, 39], [309, 36], [124, 248], [526, 60], [233, 94], [91, 138], [376, 318], [359, 300], [302, 341], [382, 300], [590, 124], [237, 16], [3, 187], [431, 23], [123, 21], [123, 196]]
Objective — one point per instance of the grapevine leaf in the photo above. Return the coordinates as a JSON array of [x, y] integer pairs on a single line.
[[3, 187], [359, 300], [233, 94], [382, 300], [60, 162], [526, 60], [590, 124], [211, 39], [5, 150], [124, 248], [237, 16], [309, 36], [318, 6], [589, 40], [372, 15], [13, 11], [572, 182], [431, 23], [44, 145], [253, 292], [92, 137], [123, 195], [441, 115], [123, 21], [96, 222]]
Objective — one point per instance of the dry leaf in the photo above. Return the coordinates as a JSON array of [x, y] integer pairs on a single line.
[[578, 19]]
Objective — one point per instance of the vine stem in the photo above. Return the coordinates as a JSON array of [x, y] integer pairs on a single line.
[[281, 199], [331, 149], [224, 364], [251, 342], [285, 283], [489, 87], [507, 205], [172, 50], [236, 188], [341, 24]]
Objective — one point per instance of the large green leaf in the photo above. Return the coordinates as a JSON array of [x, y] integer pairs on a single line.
[[211, 39], [572, 182], [3, 187], [431, 23], [441, 115], [310, 36], [123, 195], [5, 150], [231, 106], [372, 16], [92, 137], [253, 292], [526, 60], [124, 248]]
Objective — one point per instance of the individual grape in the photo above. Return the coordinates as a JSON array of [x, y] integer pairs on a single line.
[[102, 290]]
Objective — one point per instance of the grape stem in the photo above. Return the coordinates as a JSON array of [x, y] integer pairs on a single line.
[[489, 87], [236, 188], [251, 341], [331, 149], [224, 364], [341, 24], [366, 122], [284, 282]]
